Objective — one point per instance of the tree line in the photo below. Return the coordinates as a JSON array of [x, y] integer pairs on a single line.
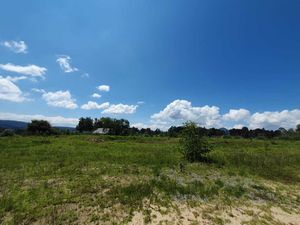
[[122, 127], [175, 131], [114, 127]]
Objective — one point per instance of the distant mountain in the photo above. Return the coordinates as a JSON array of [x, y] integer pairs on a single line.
[[12, 124], [66, 128]]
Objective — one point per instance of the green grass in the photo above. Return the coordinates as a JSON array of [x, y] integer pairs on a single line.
[[275, 159], [63, 178]]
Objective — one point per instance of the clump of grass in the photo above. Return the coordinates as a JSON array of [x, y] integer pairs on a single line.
[[132, 195], [135, 193], [235, 190]]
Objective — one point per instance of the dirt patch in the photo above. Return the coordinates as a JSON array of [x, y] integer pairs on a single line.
[[95, 140], [183, 214], [285, 217]]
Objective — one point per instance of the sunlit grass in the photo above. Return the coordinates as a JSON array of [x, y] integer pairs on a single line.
[[40, 174]]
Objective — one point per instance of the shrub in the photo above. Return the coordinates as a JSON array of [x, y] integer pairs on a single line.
[[7, 133], [193, 145], [39, 127]]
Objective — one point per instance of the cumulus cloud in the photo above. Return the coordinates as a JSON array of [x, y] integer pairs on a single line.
[[120, 109], [274, 120], [96, 95], [15, 46], [10, 92], [238, 126], [237, 115], [151, 126], [105, 88], [64, 63], [180, 111], [30, 70], [62, 99], [54, 120], [140, 125], [94, 105]]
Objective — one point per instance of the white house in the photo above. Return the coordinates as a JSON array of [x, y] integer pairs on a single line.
[[101, 131]]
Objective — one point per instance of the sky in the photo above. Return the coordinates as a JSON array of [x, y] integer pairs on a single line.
[[156, 63]]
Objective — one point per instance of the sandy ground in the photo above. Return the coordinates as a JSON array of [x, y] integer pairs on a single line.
[[212, 214]]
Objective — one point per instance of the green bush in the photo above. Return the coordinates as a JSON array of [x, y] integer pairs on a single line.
[[7, 133], [193, 146], [39, 127]]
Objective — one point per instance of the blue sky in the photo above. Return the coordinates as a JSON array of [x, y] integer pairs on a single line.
[[219, 63]]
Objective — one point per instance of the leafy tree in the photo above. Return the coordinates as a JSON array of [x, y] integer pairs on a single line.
[[133, 131], [115, 126], [174, 131], [298, 128], [157, 132], [194, 147], [85, 124], [39, 127], [212, 132]]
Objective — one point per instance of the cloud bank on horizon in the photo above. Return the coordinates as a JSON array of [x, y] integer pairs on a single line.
[[180, 111]]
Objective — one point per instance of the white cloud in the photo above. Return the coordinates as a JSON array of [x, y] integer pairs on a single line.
[[16, 46], [103, 88], [15, 79], [237, 115], [274, 120], [120, 109], [96, 95], [180, 111], [140, 102], [10, 92], [151, 126], [62, 99], [37, 90], [30, 70], [238, 126], [54, 120], [139, 125], [64, 63], [94, 105]]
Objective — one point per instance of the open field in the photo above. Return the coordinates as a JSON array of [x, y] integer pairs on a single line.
[[88, 179]]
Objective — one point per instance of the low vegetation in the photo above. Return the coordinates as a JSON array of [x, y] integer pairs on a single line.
[[102, 179], [122, 127], [194, 146]]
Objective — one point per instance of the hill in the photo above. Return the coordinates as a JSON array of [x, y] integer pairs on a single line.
[[13, 124]]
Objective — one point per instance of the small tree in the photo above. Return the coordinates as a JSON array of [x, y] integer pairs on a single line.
[[194, 147], [298, 128], [85, 124], [39, 127]]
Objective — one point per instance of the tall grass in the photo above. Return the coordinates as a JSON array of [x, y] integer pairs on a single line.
[[278, 160]]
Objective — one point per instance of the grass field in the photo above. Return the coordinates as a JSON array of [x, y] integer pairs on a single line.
[[86, 179]]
